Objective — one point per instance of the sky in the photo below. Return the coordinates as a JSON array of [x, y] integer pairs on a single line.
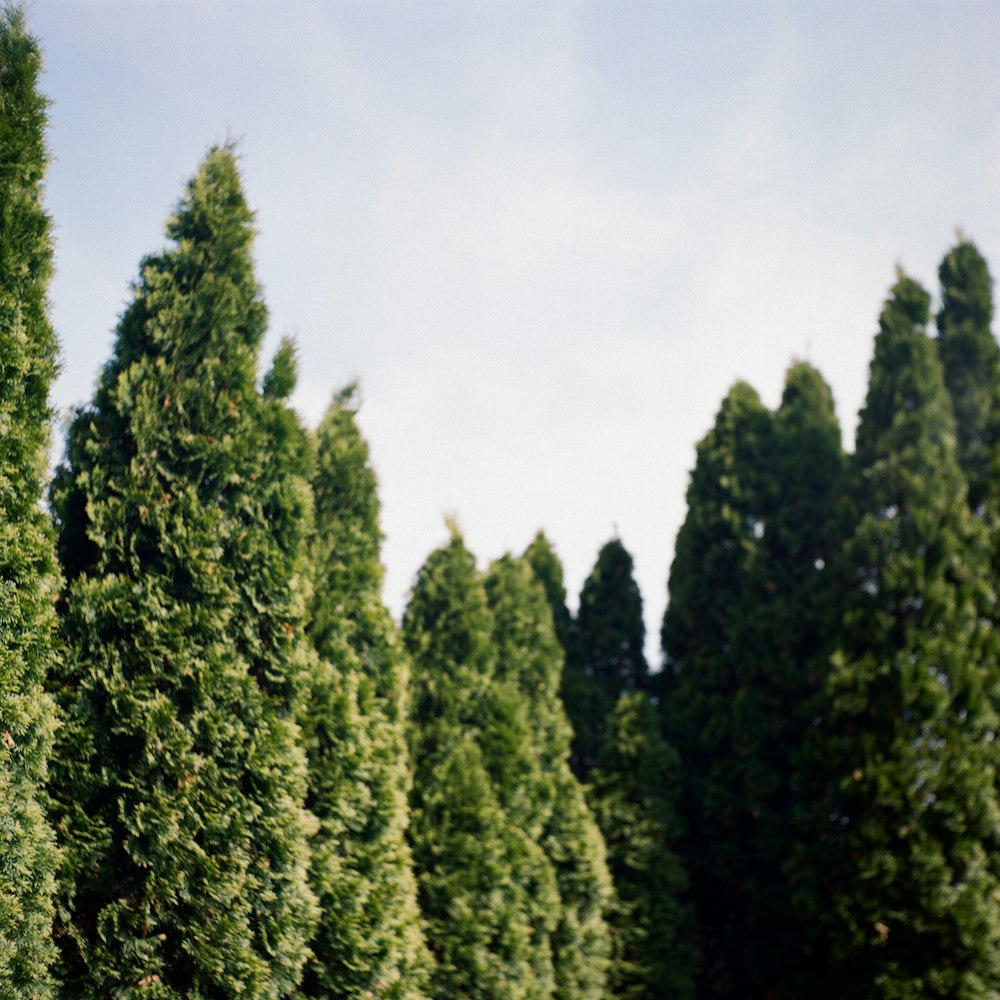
[[545, 237]]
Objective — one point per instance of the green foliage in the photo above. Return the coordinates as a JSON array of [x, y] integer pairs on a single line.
[[281, 377], [28, 574], [479, 875], [184, 512], [369, 941], [634, 789], [971, 360], [716, 548], [746, 637], [549, 572], [609, 657], [896, 886], [538, 789]]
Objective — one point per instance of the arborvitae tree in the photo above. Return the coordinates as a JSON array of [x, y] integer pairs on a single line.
[[610, 657], [783, 643], [897, 887], [548, 801], [474, 867], [971, 359], [634, 790], [747, 636], [28, 574], [548, 571], [716, 548], [184, 515], [369, 942]]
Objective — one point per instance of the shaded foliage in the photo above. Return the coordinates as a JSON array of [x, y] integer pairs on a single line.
[[609, 657], [971, 360], [896, 889], [634, 789], [746, 636]]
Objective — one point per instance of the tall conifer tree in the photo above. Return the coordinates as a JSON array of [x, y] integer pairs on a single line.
[[634, 790], [184, 512], [716, 550], [548, 801], [369, 942], [896, 889], [971, 359], [784, 638], [754, 554], [548, 570], [475, 869], [28, 574], [609, 657]]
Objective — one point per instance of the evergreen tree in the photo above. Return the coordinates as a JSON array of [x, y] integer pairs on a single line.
[[785, 636], [634, 790], [896, 887], [184, 514], [971, 360], [28, 574], [610, 657], [547, 800], [369, 942], [545, 564], [747, 637], [476, 871], [710, 594]]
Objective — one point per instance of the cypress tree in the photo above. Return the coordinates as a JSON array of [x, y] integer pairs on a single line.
[[971, 360], [716, 548], [896, 888], [548, 570], [784, 640], [28, 574], [548, 801], [369, 942], [634, 789], [747, 636], [610, 657], [476, 871], [184, 515]]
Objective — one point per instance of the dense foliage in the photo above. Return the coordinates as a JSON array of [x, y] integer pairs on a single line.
[[180, 774], [369, 941], [608, 656], [224, 772], [548, 801], [899, 880], [634, 790], [746, 636], [971, 360], [480, 876], [28, 575]]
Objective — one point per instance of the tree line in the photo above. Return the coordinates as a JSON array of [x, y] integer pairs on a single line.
[[226, 772]]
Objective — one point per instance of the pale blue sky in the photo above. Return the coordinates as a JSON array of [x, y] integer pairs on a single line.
[[546, 236]]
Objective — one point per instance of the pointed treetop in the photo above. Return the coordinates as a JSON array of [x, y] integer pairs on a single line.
[[281, 377], [971, 359], [804, 381], [22, 107], [348, 398], [548, 570], [905, 378], [213, 208], [966, 286]]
